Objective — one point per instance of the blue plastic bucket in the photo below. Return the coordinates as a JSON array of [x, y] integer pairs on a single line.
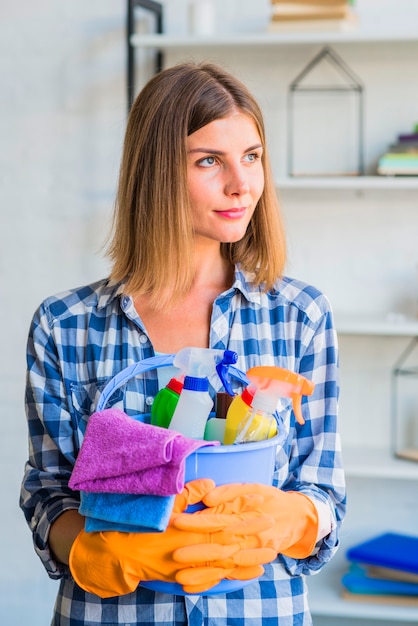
[[243, 463]]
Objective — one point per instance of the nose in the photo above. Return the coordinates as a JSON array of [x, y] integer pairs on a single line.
[[236, 183]]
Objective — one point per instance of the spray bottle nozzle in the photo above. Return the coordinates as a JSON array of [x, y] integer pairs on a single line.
[[230, 357], [277, 382], [202, 362], [224, 369], [226, 372]]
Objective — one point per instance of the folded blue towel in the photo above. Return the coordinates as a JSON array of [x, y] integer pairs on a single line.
[[126, 512], [93, 525]]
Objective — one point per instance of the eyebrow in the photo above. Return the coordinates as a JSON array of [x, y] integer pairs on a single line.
[[220, 152]]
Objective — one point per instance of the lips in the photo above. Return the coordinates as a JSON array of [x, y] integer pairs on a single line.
[[234, 213]]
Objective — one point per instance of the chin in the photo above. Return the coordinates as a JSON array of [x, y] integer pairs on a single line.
[[234, 239]]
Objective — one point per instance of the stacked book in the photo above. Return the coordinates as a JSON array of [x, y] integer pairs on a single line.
[[383, 569], [402, 157], [311, 14]]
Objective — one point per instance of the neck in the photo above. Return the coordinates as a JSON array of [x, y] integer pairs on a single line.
[[211, 269]]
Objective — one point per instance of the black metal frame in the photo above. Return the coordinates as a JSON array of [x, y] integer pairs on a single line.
[[353, 84], [157, 9]]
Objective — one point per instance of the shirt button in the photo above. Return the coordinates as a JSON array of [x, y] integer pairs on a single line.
[[143, 339], [149, 400]]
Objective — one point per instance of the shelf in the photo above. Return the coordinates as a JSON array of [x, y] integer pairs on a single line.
[[362, 462], [373, 325], [325, 597], [354, 35], [357, 183], [364, 466]]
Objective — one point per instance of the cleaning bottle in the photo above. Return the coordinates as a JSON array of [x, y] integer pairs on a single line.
[[195, 403], [271, 384], [215, 426], [165, 402], [236, 413]]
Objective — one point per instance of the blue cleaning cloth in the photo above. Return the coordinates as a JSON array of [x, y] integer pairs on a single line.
[[126, 512], [93, 525]]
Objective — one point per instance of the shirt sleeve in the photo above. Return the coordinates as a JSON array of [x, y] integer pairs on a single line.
[[315, 462], [45, 493], [324, 519]]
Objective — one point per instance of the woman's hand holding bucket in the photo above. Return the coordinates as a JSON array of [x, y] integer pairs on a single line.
[[295, 527], [114, 563]]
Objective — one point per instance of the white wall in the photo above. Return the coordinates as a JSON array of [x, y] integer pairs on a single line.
[[61, 126], [63, 114], [357, 246]]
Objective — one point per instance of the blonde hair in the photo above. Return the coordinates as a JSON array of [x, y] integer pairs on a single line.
[[151, 246]]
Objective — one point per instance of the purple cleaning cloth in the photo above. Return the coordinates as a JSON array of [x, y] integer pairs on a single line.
[[122, 455]]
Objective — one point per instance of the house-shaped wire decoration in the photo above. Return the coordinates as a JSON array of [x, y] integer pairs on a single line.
[[325, 119], [405, 403]]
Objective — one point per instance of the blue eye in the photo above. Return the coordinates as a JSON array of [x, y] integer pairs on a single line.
[[207, 161], [252, 157]]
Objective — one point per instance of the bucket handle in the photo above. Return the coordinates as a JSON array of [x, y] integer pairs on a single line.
[[151, 363], [129, 372]]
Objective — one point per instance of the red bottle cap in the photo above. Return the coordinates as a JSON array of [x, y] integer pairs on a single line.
[[248, 395], [175, 385]]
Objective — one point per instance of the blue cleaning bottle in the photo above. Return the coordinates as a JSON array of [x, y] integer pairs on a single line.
[[195, 402]]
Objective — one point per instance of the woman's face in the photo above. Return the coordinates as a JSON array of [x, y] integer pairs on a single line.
[[225, 177]]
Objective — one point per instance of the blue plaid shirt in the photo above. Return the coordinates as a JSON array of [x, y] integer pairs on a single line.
[[80, 339]]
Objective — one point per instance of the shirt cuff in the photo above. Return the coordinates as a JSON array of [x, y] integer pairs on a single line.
[[54, 568], [325, 524]]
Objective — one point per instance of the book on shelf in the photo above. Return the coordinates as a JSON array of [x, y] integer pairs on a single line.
[[288, 12], [407, 139], [401, 158], [300, 6], [358, 580], [316, 14], [312, 25], [391, 164], [406, 147], [376, 571], [392, 550], [314, 3], [383, 569]]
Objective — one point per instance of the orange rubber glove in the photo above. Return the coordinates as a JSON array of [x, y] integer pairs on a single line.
[[295, 516], [113, 563]]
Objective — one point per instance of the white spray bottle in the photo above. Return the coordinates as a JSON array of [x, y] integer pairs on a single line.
[[195, 403], [272, 383]]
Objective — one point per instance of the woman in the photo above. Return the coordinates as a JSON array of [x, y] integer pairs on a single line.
[[198, 254]]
